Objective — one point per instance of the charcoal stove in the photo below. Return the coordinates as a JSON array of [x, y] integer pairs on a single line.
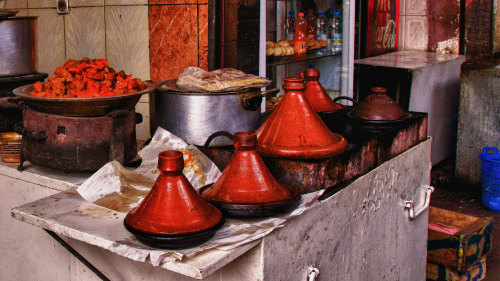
[[78, 143], [369, 145]]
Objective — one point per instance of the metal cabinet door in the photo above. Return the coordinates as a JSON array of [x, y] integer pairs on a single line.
[[363, 232]]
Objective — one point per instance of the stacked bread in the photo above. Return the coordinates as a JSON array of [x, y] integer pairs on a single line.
[[316, 44], [280, 48]]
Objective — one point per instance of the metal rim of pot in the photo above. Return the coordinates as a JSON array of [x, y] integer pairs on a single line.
[[80, 107], [250, 97]]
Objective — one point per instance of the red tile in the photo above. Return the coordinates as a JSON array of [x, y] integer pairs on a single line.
[[173, 40], [166, 2], [203, 36]]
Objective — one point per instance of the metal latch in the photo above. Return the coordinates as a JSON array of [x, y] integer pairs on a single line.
[[410, 205]]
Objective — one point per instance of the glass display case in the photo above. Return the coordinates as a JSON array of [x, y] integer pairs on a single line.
[[239, 30], [336, 66]]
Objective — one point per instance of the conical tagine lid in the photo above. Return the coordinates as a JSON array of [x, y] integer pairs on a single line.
[[316, 95], [294, 130], [172, 207], [378, 107], [246, 179]]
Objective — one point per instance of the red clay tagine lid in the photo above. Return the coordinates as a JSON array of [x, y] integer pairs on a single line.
[[247, 181], [316, 95], [172, 208], [378, 106], [294, 130]]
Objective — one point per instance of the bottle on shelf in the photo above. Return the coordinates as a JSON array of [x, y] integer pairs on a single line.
[[311, 25], [336, 33], [289, 25], [299, 37], [322, 27]]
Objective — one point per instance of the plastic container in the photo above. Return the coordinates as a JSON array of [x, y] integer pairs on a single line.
[[322, 27], [299, 38], [336, 29], [289, 25], [311, 25], [490, 172]]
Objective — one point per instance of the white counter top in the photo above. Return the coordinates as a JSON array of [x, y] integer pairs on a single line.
[[407, 59], [68, 214], [43, 176]]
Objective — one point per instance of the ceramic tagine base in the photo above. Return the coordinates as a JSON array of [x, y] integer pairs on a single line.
[[177, 241], [173, 215], [255, 210], [247, 188]]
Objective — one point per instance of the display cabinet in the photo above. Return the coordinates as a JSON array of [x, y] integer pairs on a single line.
[[239, 29], [336, 68]]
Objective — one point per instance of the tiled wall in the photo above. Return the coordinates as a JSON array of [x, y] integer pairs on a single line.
[[413, 26], [178, 36], [154, 40]]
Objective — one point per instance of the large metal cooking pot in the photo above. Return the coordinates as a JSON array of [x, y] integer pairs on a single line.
[[18, 46], [195, 116]]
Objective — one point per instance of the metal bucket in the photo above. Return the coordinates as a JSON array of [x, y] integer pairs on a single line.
[[18, 46]]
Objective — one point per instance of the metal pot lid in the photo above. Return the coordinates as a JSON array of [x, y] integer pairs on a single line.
[[173, 207], [378, 106], [246, 179], [20, 17], [7, 13], [294, 130]]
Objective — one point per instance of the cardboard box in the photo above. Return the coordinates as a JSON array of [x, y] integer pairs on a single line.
[[457, 240], [438, 272]]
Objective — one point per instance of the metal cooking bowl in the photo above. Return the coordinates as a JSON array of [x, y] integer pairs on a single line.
[[79, 107]]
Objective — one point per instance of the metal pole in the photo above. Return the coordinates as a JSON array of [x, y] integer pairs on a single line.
[[77, 255]]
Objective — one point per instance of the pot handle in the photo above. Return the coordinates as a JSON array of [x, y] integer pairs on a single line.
[[218, 134], [345, 98], [252, 101], [10, 102], [39, 136]]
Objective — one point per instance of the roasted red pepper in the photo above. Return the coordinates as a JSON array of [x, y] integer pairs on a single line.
[[86, 79]]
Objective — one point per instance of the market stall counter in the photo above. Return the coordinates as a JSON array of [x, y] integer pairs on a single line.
[[357, 231]]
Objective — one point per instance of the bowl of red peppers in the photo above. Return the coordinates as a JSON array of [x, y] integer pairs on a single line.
[[84, 88]]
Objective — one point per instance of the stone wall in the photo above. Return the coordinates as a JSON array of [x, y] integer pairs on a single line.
[[479, 119]]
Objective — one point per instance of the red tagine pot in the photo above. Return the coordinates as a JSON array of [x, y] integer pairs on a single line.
[[295, 131], [316, 95], [247, 188], [378, 106], [173, 215]]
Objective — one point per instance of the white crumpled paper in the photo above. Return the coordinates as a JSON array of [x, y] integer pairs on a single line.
[[121, 189]]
